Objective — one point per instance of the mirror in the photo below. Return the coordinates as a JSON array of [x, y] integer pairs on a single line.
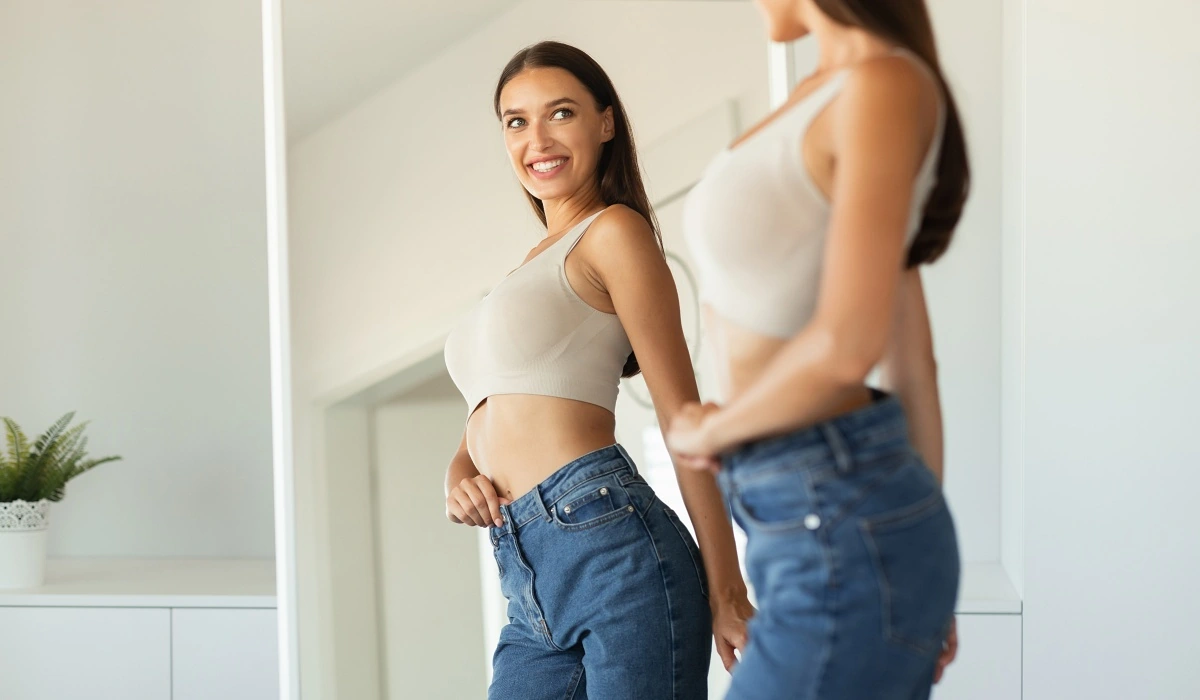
[[402, 212]]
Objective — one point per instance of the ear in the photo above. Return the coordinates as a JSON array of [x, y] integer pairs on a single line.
[[608, 130]]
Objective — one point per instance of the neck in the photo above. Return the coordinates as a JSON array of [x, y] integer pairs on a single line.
[[839, 46], [562, 214]]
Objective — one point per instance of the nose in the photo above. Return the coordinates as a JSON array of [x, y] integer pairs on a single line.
[[539, 136]]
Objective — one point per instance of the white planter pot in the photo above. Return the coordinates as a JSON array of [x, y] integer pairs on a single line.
[[23, 543]]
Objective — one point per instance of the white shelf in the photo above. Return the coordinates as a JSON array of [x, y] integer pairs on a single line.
[[151, 583], [985, 589]]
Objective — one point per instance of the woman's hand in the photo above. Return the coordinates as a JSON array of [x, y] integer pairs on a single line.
[[689, 437], [474, 502], [949, 651], [730, 613]]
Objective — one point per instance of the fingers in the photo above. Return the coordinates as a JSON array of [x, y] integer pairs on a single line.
[[475, 502], [455, 509], [738, 639], [949, 653], [467, 512], [725, 651], [483, 495]]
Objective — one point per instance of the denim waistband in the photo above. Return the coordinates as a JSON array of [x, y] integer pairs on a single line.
[[871, 432], [542, 498]]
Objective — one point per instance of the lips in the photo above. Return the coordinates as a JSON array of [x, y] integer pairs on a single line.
[[547, 167]]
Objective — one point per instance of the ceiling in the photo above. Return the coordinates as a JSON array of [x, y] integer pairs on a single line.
[[336, 54]]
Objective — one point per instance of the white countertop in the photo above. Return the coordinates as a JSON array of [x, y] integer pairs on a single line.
[[151, 583], [250, 583], [985, 589]]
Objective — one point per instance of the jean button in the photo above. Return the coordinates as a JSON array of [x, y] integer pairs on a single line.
[[812, 521], [604, 491]]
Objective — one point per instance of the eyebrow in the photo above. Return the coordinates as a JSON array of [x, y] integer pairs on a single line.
[[552, 103]]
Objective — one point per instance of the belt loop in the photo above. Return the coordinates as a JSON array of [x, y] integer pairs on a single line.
[[628, 460], [537, 494], [842, 456]]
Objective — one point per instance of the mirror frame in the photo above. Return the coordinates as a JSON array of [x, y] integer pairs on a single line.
[[781, 74]]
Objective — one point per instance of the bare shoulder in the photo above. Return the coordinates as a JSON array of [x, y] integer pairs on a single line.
[[618, 233], [893, 88]]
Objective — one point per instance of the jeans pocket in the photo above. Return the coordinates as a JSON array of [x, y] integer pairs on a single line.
[[914, 552], [775, 501], [690, 543], [593, 503]]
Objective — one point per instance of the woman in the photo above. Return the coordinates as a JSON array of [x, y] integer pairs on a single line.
[[807, 234], [607, 594]]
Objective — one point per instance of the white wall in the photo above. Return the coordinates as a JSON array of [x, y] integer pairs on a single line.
[[1112, 336], [429, 569], [133, 266]]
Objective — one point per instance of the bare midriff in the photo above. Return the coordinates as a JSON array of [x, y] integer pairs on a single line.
[[518, 440]]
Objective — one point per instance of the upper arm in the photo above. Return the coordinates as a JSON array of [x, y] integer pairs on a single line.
[[627, 261], [883, 122]]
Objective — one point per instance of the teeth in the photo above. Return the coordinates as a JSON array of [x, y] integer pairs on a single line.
[[547, 166]]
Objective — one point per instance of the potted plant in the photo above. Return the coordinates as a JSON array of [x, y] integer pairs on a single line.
[[32, 475]]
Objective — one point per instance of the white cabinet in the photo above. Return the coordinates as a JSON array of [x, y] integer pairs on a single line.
[[988, 666], [85, 653], [149, 629], [226, 654]]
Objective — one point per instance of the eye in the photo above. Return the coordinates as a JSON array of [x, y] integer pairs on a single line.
[[515, 123], [566, 112]]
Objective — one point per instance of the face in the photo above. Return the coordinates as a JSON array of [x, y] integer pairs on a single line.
[[785, 18], [553, 132]]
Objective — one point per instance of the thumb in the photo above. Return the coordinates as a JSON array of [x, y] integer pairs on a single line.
[[725, 650], [505, 501]]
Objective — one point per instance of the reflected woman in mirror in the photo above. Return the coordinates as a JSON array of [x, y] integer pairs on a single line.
[[608, 595], [808, 233]]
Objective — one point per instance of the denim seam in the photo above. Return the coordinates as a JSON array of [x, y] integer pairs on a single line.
[[532, 608], [696, 557], [906, 514], [675, 670], [573, 686], [827, 648], [866, 526]]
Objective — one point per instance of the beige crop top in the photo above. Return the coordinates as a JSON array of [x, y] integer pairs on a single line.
[[756, 223], [534, 335]]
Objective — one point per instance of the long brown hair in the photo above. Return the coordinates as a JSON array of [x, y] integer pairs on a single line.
[[906, 23], [617, 173]]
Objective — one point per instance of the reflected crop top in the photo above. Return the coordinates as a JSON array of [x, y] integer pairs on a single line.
[[534, 335], [756, 223]]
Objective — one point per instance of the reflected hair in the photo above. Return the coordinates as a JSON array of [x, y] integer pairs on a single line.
[[906, 23]]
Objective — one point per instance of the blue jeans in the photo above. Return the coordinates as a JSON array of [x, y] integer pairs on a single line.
[[606, 591], [853, 557]]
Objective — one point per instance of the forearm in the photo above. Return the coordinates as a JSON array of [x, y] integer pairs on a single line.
[[714, 533], [802, 385]]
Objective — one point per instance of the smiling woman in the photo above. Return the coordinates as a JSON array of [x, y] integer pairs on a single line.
[[391, 204], [623, 606]]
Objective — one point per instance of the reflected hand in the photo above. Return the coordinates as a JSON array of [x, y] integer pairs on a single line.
[[730, 615], [475, 502], [949, 651], [688, 437]]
